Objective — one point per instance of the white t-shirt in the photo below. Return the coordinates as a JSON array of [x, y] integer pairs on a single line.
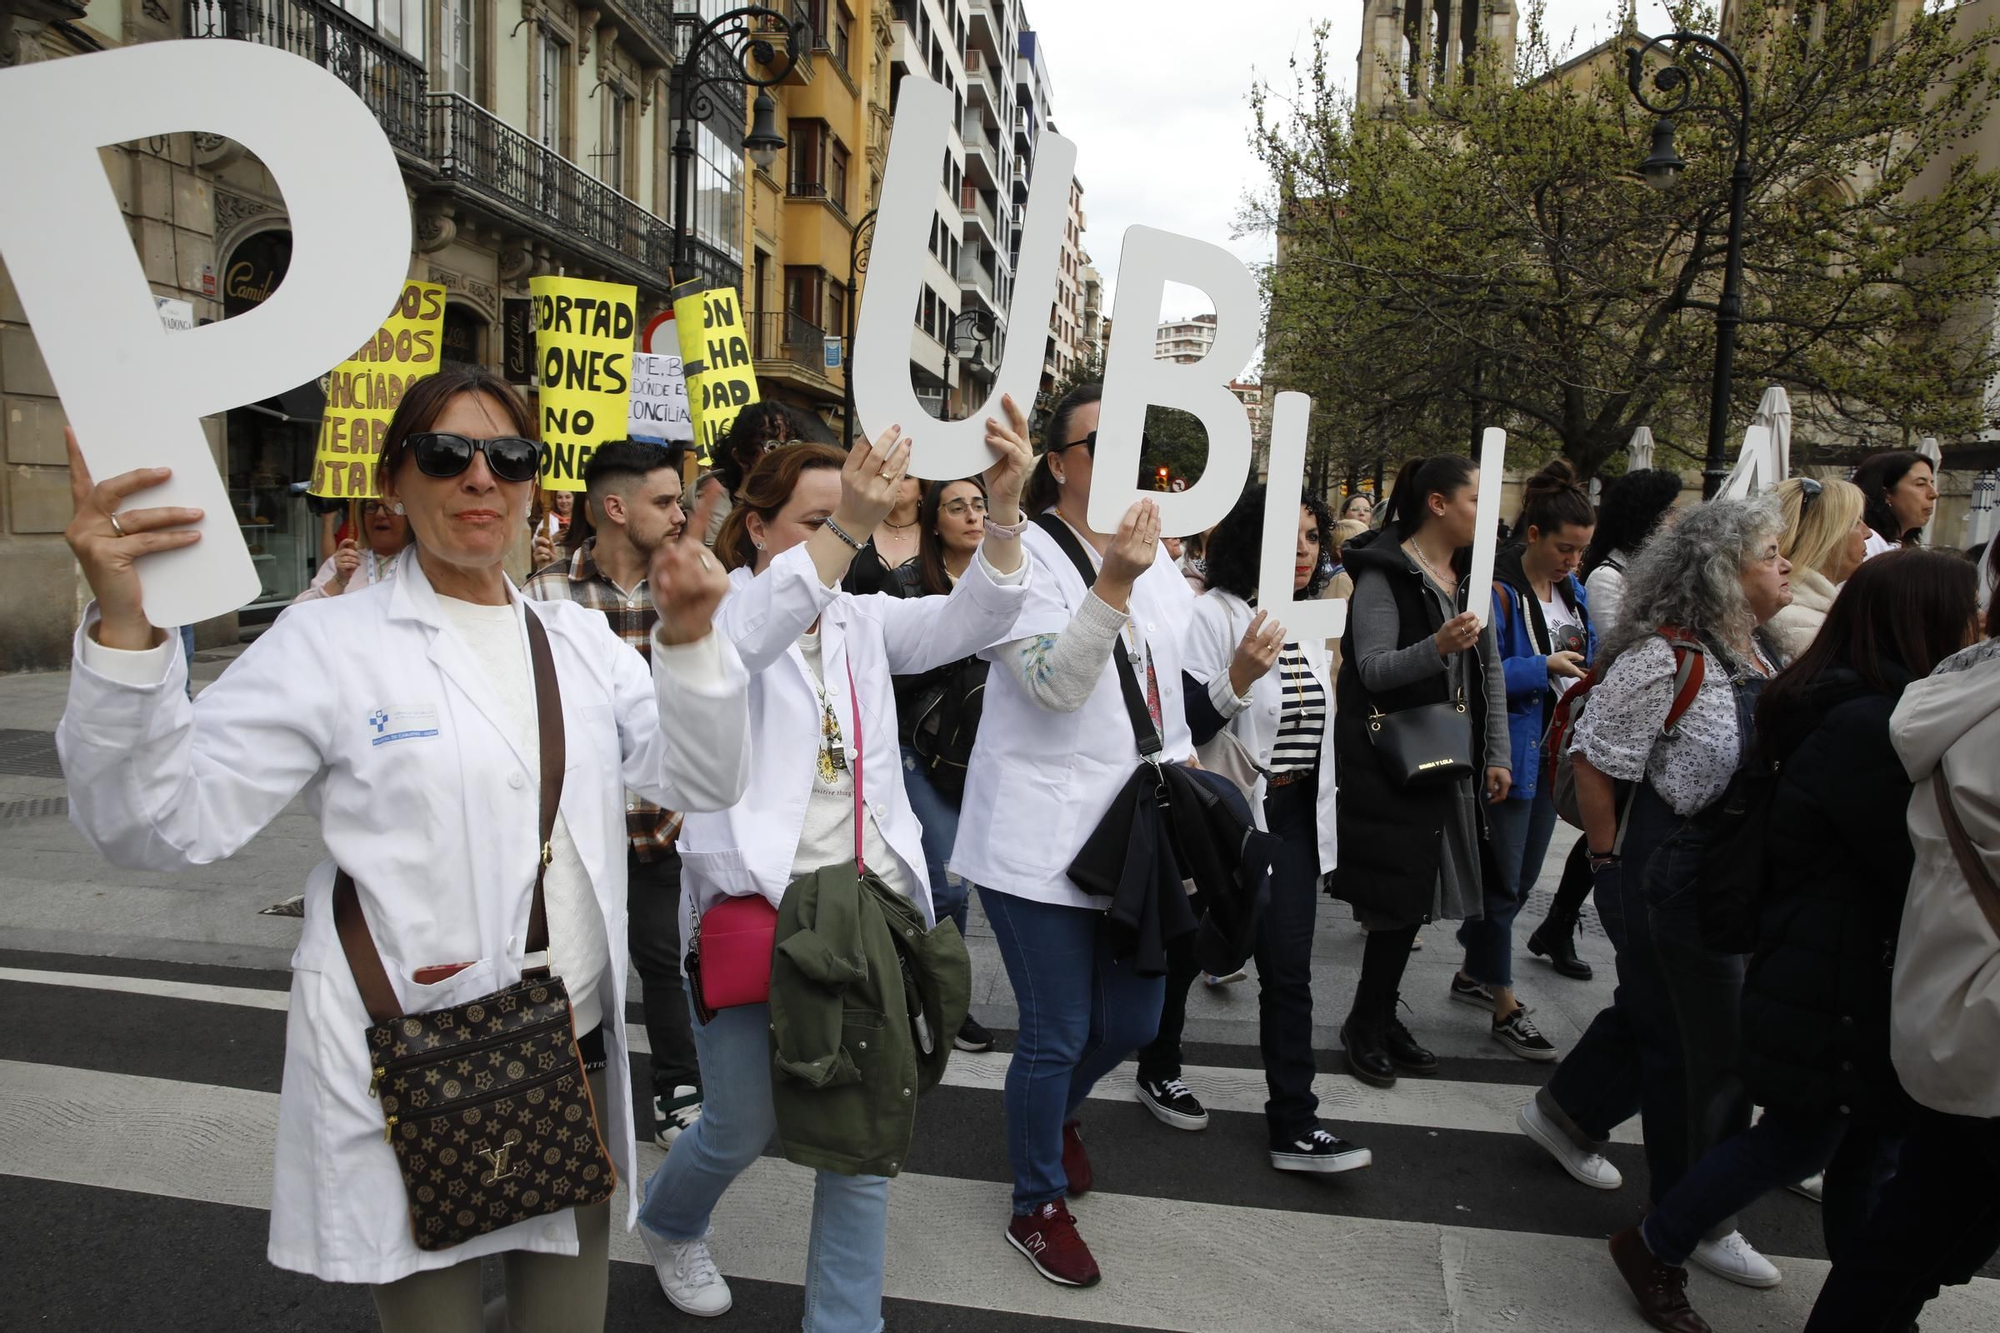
[[579, 951], [1565, 634], [828, 836]]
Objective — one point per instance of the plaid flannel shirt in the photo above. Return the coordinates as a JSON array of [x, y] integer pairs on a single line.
[[652, 830]]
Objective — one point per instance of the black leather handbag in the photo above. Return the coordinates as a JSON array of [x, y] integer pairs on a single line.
[[1426, 746]]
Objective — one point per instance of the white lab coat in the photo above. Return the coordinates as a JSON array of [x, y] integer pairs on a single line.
[[1039, 781], [1220, 619], [437, 824], [749, 847]]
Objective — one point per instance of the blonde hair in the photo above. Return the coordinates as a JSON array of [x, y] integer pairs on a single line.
[[1815, 535]]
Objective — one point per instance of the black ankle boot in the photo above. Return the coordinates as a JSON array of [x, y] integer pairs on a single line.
[[1404, 1052], [1555, 940], [1367, 1058]]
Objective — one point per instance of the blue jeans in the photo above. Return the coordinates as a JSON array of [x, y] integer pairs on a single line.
[[939, 820], [1082, 1012], [850, 1218], [1782, 1148], [1520, 832]]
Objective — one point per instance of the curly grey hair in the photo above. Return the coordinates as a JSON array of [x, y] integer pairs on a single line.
[[1689, 574]]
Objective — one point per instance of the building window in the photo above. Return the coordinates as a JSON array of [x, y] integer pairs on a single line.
[[401, 21], [461, 35], [613, 162], [553, 126], [836, 181], [808, 159], [836, 307], [804, 292], [843, 39]]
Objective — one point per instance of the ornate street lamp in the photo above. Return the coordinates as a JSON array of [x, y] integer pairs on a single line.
[[858, 246], [730, 44], [1696, 59]]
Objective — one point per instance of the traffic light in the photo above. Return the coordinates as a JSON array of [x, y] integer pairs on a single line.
[[1159, 479]]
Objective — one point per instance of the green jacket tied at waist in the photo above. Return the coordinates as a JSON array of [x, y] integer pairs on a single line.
[[864, 1002]]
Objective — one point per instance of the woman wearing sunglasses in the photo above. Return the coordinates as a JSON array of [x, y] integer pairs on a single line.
[[408, 715], [386, 529], [824, 708], [1826, 539]]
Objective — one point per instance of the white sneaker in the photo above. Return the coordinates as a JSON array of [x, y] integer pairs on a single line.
[[687, 1274], [1736, 1259], [1811, 1187], [1587, 1167]]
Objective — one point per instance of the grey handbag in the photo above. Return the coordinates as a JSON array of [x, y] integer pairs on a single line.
[[1426, 746]]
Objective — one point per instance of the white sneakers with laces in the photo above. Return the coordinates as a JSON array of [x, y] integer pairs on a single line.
[[1587, 1167], [1737, 1259], [688, 1274]]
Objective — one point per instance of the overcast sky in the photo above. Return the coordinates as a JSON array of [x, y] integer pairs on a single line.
[[1156, 98]]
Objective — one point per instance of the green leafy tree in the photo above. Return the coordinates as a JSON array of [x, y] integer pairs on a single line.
[[1489, 256]]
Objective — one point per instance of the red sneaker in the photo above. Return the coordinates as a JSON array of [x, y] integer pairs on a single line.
[[1076, 1162], [1048, 1237]]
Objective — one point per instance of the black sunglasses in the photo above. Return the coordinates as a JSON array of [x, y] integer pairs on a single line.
[[1809, 489], [1089, 443], [508, 457]]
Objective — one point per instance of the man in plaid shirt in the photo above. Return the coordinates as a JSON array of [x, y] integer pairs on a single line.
[[634, 498]]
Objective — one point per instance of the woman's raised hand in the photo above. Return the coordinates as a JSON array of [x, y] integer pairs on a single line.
[[1257, 654], [868, 482], [1135, 546], [108, 544], [1007, 476], [686, 581]]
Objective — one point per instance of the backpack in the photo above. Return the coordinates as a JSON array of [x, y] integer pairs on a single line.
[[947, 724], [1735, 874], [1558, 771]]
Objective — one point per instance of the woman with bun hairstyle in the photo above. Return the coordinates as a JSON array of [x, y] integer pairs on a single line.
[[1541, 623], [1826, 539], [1900, 491], [1410, 855]]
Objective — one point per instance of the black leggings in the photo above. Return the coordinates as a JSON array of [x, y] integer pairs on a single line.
[[1383, 959], [1575, 886]]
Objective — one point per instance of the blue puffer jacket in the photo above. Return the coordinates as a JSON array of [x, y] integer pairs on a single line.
[[1523, 637]]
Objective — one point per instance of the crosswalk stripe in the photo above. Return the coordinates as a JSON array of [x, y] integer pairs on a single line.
[[1432, 1103], [1170, 1264]]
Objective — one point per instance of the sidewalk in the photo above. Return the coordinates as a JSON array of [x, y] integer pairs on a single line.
[[57, 895]]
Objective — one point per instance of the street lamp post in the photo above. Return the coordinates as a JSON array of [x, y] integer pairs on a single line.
[[858, 246], [1693, 56], [731, 42]]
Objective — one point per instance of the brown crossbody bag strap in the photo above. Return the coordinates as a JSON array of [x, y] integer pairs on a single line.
[[1977, 877], [363, 959]]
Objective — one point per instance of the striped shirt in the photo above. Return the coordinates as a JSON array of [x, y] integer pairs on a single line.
[[577, 579], [1302, 719]]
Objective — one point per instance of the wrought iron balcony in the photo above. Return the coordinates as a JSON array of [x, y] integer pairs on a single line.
[[499, 166], [785, 336], [391, 82]]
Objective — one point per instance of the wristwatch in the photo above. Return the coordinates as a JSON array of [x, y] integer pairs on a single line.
[[1007, 530]]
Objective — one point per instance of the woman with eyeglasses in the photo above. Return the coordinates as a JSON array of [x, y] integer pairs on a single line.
[[1826, 539], [387, 531], [411, 720]]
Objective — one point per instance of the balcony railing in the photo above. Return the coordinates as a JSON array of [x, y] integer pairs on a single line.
[[391, 82], [785, 336], [979, 208], [486, 156]]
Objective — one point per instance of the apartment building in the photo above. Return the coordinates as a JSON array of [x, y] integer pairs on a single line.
[[986, 207], [1184, 340]]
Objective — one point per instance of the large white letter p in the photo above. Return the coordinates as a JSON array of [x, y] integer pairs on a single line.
[[135, 394]]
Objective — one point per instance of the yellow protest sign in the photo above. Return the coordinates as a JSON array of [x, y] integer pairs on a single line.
[[583, 360], [362, 392], [716, 362]]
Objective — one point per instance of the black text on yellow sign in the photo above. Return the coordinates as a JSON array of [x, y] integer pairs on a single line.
[[583, 360], [362, 392], [716, 359]]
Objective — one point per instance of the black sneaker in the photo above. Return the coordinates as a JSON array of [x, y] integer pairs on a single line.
[[1172, 1104], [675, 1115], [1517, 1032], [1472, 992], [1323, 1152], [972, 1036]]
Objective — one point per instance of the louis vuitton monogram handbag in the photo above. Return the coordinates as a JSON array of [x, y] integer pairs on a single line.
[[486, 1103]]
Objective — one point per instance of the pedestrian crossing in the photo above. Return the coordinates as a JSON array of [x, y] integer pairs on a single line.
[[159, 1101]]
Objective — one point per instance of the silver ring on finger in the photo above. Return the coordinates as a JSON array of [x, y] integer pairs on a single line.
[[116, 526]]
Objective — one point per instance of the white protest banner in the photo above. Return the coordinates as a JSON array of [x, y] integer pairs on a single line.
[[880, 364], [1134, 380], [1486, 527], [86, 296], [659, 399]]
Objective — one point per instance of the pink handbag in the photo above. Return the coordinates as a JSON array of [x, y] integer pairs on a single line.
[[729, 959]]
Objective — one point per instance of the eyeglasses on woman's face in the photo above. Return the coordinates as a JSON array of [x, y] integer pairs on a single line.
[[1089, 444], [968, 505]]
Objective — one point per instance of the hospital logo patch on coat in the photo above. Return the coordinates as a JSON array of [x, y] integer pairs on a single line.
[[401, 723]]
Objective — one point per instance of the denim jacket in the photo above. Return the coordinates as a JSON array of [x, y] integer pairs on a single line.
[[1523, 639]]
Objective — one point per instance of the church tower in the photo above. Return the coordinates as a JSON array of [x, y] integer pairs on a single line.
[[1408, 46]]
